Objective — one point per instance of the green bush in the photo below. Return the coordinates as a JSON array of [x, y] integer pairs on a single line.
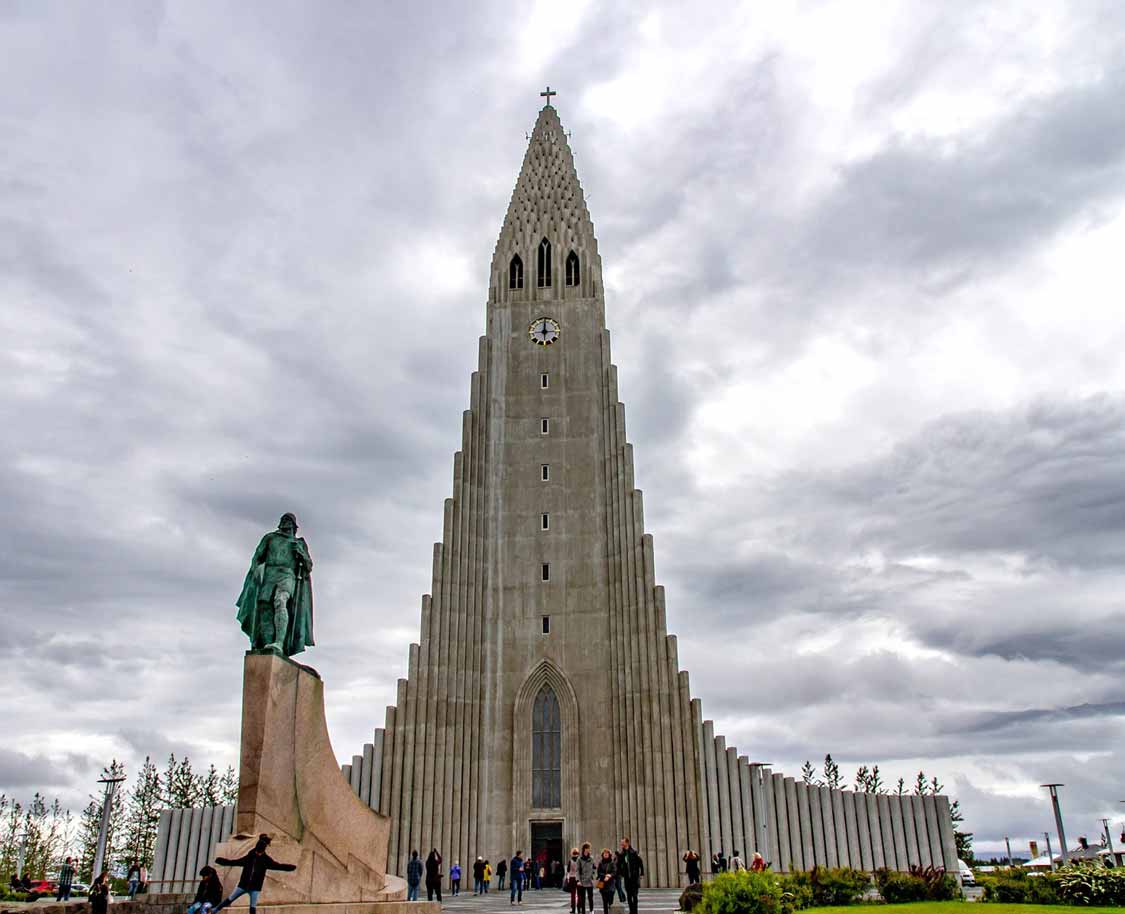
[[1081, 884], [1088, 885], [839, 886], [743, 892], [897, 888], [920, 884], [796, 892]]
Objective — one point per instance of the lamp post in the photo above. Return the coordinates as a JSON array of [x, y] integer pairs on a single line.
[[21, 857], [766, 797], [1108, 838], [103, 829], [1008, 844], [1054, 789], [1050, 854]]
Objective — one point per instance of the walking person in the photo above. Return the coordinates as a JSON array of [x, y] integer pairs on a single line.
[[630, 869], [607, 876], [209, 893], [478, 876], [501, 872], [487, 875], [716, 862], [587, 870], [99, 894], [66, 879], [570, 879], [134, 879], [433, 875], [455, 879], [254, 865], [515, 872], [413, 876], [691, 866]]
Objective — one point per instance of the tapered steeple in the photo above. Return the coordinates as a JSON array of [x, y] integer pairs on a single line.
[[547, 202]]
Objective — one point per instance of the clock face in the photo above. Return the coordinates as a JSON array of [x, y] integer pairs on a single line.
[[544, 330]]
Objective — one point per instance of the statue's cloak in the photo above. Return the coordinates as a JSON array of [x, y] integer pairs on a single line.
[[253, 604]]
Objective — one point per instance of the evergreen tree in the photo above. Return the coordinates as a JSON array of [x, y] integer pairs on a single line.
[[808, 774], [228, 787], [9, 837], [185, 786], [143, 815], [88, 827], [900, 787], [832, 776], [209, 788], [862, 774], [115, 835], [921, 784]]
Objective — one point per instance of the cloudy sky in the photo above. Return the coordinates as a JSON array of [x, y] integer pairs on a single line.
[[870, 256]]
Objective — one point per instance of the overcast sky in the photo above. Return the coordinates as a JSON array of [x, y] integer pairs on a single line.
[[864, 276]]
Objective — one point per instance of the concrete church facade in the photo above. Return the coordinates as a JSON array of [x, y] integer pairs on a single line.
[[544, 704]]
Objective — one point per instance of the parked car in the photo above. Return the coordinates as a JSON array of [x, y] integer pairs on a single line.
[[966, 871]]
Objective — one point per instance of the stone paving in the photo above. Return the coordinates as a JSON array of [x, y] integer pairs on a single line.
[[650, 901]]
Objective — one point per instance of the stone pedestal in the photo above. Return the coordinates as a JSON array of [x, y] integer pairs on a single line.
[[291, 788]]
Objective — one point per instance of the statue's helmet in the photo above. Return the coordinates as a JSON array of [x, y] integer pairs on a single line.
[[288, 516]]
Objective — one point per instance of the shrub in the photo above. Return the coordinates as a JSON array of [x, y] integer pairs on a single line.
[[796, 892], [896, 887], [1089, 885], [744, 892], [838, 886]]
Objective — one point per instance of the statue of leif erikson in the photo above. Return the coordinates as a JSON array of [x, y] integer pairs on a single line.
[[275, 607]]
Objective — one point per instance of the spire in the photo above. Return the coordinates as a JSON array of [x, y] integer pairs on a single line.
[[547, 202]]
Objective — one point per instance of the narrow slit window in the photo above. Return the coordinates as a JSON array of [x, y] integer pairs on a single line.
[[546, 625], [515, 273], [543, 273], [546, 571], [544, 426], [545, 472], [544, 521], [572, 269], [544, 380]]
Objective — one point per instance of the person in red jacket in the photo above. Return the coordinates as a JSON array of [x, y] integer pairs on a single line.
[[254, 867]]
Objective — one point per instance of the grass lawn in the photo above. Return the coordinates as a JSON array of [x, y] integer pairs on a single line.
[[961, 907]]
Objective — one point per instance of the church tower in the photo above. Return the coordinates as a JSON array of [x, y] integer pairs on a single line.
[[544, 705]]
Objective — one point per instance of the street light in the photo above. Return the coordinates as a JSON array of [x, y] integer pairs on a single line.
[[1054, 789], [103, 829], [1050, 853], [1008, 843]]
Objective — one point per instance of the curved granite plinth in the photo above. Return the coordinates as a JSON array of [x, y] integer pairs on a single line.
[[291, 788]]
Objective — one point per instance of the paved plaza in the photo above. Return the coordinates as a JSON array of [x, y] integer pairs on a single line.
[[555, 901]]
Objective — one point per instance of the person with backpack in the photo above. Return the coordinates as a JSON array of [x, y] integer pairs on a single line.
[[630, 868]]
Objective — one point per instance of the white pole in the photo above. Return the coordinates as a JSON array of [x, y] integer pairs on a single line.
[[103, 829]]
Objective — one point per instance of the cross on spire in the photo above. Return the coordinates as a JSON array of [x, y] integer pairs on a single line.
[[547, 95]]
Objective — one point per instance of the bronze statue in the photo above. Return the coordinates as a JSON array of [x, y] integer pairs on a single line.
[[275, 607]]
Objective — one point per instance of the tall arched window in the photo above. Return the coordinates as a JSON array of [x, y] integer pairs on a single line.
[[544, 273], [546, 751], [572, 269], [515, 273]]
